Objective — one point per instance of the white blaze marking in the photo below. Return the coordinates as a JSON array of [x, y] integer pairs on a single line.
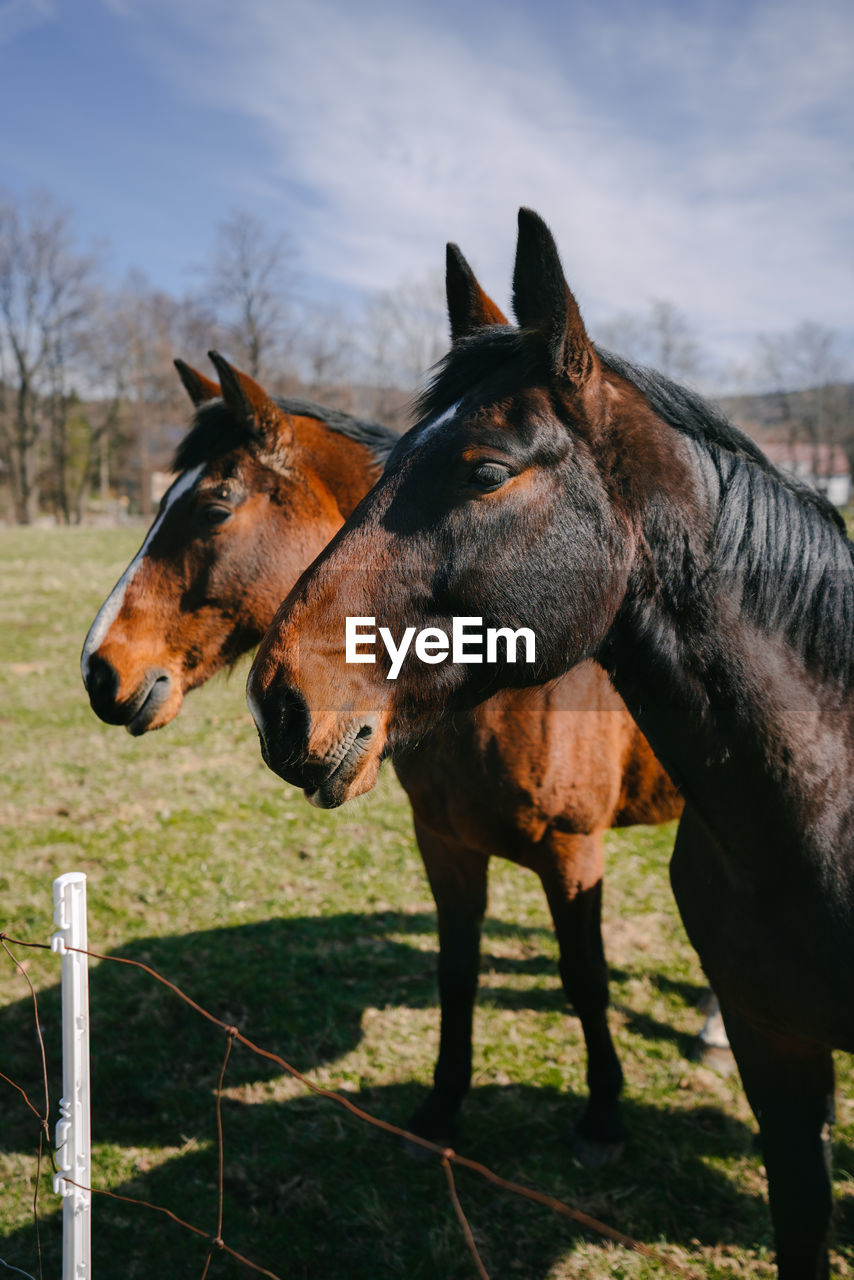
[[435, 425], [111, 607]]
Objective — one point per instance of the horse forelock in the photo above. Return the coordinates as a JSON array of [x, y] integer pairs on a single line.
[[500, 355], [485, 364], [213, 431]]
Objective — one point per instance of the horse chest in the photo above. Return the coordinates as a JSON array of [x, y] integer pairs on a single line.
[[483, 792]]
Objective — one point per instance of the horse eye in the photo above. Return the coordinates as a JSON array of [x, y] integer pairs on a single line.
[[488, 476], [216, 515]]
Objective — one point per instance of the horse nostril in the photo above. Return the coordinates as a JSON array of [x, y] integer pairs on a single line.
[[102, 685], [286, 726]]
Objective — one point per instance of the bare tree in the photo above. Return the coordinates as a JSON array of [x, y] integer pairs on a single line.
[[806, 356], [405, 333], [249, 280], [803, 371], [661, 337], [140, 331], [327, 352], [45, 298]]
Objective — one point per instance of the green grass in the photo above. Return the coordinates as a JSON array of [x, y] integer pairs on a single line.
[[314, 933]]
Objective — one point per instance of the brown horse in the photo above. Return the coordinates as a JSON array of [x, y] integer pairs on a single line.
[[262, 487], [552, 486]]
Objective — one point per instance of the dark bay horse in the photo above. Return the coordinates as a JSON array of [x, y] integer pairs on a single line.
[[534, 777], [551, 485]]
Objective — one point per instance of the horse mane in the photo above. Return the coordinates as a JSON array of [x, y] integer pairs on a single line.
[[785, 540], [214, 431]]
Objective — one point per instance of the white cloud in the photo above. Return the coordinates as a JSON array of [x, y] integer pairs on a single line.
[[673, 156]]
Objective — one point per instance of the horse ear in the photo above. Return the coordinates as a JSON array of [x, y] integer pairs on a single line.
[[543, 301], [250, 404], [469, 308], [199, 388]]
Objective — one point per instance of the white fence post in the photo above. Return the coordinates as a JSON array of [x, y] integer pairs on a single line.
[[73, 1149]]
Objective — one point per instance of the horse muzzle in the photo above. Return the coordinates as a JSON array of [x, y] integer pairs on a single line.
[[345, 768], [290, 746], [138, 712]]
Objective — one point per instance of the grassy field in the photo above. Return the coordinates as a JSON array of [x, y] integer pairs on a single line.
[[314, 933]]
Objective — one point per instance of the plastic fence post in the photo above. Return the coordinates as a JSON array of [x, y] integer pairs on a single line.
[[73, 1150]]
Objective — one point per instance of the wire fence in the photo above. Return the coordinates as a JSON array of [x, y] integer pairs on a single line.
[[447, 1158]]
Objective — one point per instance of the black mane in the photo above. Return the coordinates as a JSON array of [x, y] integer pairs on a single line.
[[785, 542], [214, 431]]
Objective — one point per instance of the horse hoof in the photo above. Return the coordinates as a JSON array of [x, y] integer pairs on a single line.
[[715, 1057], [593, 1153]]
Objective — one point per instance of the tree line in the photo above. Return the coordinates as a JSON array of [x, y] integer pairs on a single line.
[[90, 405]]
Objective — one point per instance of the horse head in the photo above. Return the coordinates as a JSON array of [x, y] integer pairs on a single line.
[[468, 521], [258, 492]]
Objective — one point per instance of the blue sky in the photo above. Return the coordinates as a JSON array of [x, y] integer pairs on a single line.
[[700, 152]]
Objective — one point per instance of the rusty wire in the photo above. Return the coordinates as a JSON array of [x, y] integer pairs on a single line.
[[446, 1155], [214, 1242], [217, 1242], [463, 1220]]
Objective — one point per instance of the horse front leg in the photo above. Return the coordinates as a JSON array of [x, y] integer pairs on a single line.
[[788, 1081], [572, 879], [458, 879], [789, 1085]]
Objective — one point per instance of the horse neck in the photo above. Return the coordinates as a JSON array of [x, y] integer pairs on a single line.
[[346, 468], [738, 712]]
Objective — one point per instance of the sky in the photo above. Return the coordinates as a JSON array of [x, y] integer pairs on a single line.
[[694, 151]]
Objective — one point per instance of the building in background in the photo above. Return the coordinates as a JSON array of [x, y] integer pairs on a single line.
[[823, 466]]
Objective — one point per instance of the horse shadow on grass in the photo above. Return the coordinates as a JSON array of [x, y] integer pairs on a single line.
[[310, 1190], [296, 986]]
